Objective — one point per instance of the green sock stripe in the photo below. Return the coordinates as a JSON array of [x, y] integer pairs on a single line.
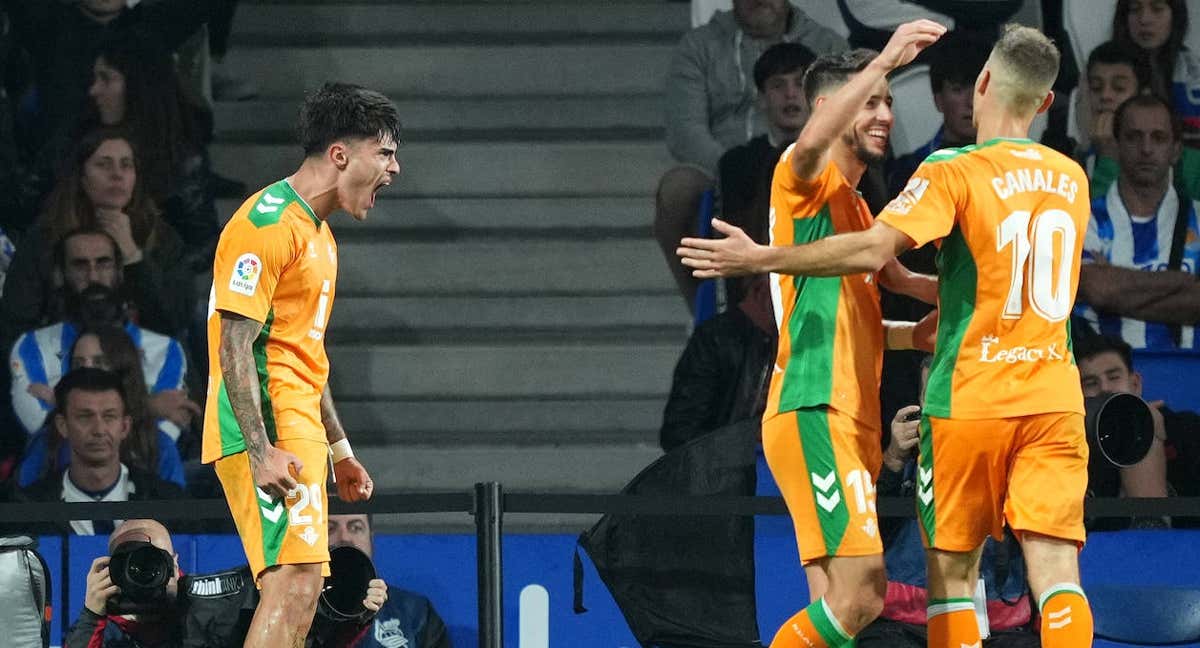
[[938, 607], [826, 624], [1061, 588]]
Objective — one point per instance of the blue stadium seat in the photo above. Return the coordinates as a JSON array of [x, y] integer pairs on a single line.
[[1146, 615]]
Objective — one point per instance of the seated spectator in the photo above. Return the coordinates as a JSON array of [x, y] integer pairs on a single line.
[[724, 372], [902, 624], [710, 107], [90, 264], [1156, 31], [94, 421], [1138, 280], [403, 619], [1114, 75], [745, 171], [61, 38], [954, 64], [149, 446], [1173, 464], [136, 88], [100, 188]]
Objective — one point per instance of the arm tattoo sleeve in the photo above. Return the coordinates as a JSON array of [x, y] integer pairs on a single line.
[[241, 380], [329, 418]]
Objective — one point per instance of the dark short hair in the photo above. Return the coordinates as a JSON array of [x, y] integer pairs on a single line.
[[60, 246], [1097, 344], [343, 110], [834, 70], [956, 58], [1114, 53], [782, 58], [88, 379], [1147, 101]]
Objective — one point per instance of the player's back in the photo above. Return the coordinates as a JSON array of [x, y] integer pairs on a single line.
[[1008, 274]]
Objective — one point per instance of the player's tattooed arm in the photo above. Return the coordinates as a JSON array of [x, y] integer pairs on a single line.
[[238, 369], [334, 431], [268, 464]]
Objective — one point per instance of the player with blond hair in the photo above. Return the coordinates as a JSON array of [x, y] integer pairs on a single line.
[[1002, 435]]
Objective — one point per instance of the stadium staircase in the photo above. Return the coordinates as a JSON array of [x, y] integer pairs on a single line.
[[504, 314]]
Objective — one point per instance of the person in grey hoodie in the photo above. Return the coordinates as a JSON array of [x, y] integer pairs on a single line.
[[710, 106]]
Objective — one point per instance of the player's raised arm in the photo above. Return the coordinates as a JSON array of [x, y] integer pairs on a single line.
[[353, 482], [833, 113], [268, 464]]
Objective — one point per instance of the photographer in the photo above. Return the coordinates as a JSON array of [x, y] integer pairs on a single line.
[[152, 592], [388, 616]]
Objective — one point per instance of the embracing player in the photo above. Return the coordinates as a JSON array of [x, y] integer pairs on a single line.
[[270, 424], [821, 428], [1002, 436]]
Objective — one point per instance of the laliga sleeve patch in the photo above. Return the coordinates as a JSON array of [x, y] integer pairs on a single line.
[[246, 273]]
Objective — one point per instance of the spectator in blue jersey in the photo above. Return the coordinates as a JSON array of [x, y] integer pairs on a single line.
[[1142, 248], [149, 445], [955, 62], [89, 262], [902, 624], [403, 618]]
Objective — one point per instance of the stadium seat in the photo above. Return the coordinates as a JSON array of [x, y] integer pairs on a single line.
[[917, 118], [1146, 615]]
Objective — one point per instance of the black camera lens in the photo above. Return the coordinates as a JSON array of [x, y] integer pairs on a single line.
[[141, 570], [1120, 426], [350, 573]]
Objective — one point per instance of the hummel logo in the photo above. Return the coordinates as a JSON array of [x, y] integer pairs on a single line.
[[825, 499], [1028, 154], [925, 487], [272, 200], [263, 209], [1057, 620]]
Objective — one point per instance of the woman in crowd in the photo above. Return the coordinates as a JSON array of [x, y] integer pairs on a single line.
[[148, 446], [100, 186], [138, 89], [1156, 29]]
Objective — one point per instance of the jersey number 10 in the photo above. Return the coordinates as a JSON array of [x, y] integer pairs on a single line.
[[1053, 239]]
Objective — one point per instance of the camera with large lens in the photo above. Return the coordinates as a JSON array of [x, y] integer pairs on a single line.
[[1120, 431], [142, 571], [350, 574]]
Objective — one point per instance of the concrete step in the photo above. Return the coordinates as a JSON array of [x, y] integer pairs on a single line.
[[449, 118], [453, 422], [562, 468], [475, 169], [497, 371], [602, 267], [313, 20], [454, 218], [457, 70], [487, 313]]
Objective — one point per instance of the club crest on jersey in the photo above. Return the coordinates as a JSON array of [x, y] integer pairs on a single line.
[[246, 273], [389, 634], [909, 197]]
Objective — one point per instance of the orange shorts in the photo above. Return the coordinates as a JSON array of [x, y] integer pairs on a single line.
[[974, 475], [825, 464], [289, 532]]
